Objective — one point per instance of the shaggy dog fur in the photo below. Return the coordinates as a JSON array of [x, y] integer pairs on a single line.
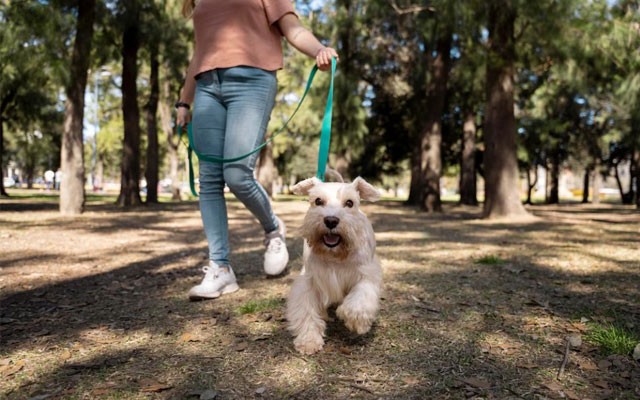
[[340, 265]]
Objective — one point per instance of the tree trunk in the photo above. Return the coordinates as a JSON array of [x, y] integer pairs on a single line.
[[130, 169], [502, 194], [266, 171], [554, 197], [585, 185], [151, 109], [468, 189], [531, 184], [616, 175], [415, 187], [597, 183], [3, 191], [172, 143], [72, 152], [431, 142]]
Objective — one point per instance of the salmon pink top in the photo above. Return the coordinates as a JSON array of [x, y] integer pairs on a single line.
[[230, 33]]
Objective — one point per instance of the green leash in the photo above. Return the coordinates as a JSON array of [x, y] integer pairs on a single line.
[[325, 134]]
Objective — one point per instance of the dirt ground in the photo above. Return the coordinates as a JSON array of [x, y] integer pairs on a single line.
[[95, 307]]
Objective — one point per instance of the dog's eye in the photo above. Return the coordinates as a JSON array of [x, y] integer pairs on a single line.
[[348, 203], [319, 201]]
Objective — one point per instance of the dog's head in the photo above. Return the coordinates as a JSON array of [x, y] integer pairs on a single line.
[[334, 223]]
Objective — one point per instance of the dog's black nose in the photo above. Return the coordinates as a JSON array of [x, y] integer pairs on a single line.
[[331, 222]]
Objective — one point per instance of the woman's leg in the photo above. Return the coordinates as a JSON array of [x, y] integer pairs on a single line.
[[209, 120], [249, 96]]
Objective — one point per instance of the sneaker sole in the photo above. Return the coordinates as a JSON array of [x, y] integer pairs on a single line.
[[226, 290]]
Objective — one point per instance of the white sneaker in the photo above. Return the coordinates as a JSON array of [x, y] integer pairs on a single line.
[[217, 281], [276, 257]]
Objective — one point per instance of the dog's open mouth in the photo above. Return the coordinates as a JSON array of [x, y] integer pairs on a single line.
[[331, 240]]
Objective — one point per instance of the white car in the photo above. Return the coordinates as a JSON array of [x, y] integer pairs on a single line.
[[8, 182]]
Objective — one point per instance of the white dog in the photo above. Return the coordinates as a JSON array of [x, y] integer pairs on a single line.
[[340, 265]]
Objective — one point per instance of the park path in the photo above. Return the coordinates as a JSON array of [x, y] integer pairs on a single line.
[[95, 307]]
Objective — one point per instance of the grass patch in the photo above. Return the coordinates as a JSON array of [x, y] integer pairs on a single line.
[[612, 339], [490, 260], [255, 306]]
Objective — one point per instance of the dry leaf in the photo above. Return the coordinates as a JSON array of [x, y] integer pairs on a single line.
[[151, 386], [601, 384], [410, 380], [553, 386], [571, 395], [65, 355], [240, 346], [477, 382], [188, 337], [636, 352], [527, 365], [345, 350], [8, 370], [587, 365]]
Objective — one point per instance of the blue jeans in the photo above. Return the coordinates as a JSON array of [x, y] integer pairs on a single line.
[[232, 107]]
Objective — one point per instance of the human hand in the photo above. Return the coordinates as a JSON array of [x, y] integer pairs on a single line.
[[183, 117], [323, 58]]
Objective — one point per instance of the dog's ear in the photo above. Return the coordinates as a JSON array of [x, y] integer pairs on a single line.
[[302, 188], [365, 190]]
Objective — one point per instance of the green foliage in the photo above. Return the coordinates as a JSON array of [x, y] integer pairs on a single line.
[[255, 306], [612, 339]]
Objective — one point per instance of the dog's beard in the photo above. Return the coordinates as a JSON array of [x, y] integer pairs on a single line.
[[334, 243]]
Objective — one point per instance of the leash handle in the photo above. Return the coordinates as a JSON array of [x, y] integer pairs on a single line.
[[325, 133]]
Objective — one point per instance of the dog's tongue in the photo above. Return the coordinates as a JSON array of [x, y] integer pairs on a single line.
[[331, 240]]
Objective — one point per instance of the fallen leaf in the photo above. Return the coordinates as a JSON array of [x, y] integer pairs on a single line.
[[571, 395], [553, 386], [601, 384], [410, 380], [240, 346], [587, 365], [8, 370], [151, 386], [636, 352], [188, 337], [345, 350], [477, 382], [527, 365], [65, 355]]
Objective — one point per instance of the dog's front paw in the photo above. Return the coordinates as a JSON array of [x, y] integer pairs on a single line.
[[308, 344], [357, 321]]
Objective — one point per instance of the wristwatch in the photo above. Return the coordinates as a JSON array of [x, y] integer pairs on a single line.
[[182, 104]]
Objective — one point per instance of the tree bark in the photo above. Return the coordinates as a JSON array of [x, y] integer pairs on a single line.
[[172, 144], [72, 153], [502, 195], [585, 185], [431, 141], [531, 184], [3, 191], [597, 183], [130, 169], [554, 197], [468, 189], [151, 109]]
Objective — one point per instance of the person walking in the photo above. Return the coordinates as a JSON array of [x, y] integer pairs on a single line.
[[228, 95]]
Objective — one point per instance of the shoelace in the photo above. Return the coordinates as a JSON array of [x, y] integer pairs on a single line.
[[215, 272], [274, 245]]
